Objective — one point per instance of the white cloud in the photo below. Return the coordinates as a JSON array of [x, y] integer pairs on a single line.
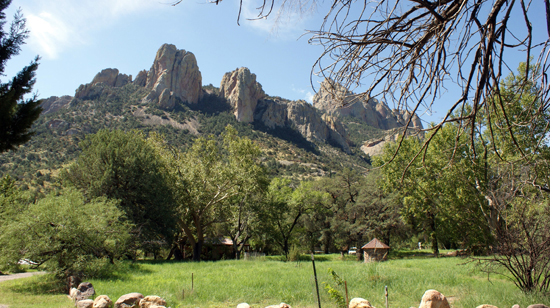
[[56, 27], [307, 95], [286, 21]]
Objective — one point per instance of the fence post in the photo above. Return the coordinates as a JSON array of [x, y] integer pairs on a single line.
[[316, 283]]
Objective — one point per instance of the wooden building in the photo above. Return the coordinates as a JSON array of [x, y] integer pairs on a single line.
[[375, 250]]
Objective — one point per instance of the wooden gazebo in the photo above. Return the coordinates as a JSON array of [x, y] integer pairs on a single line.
[[375, 250]]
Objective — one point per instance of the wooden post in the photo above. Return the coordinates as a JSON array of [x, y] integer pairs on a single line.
[[346, 289], [316, 283], [192, 281], [386, 298]]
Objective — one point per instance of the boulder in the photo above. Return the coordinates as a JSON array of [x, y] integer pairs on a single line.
[[515, 306], [85, 303], [242, 91], [152, 301], [281, 305], [433, 299], [486, 306], [102, 301], [358, 302], [86, 290], [129, 300], [176, 70], [537, 306], [243, 305], [74, 294]]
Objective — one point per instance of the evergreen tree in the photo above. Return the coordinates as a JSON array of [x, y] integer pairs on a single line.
[[16, 113]]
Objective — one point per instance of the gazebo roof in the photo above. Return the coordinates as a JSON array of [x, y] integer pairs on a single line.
[[375, 244]]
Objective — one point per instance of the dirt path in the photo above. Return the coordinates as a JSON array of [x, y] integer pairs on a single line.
[[20, 275]]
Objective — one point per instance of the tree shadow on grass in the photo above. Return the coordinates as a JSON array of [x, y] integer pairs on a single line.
[[50, 284]]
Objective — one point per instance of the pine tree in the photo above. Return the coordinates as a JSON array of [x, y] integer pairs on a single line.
[[17, 114]]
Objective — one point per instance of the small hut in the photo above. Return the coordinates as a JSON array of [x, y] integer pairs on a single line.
[[375, 251]]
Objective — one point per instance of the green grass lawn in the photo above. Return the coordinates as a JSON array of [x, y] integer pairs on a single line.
[[266, 282]]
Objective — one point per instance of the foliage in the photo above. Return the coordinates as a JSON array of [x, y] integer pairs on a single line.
[[334, 293], [64, 233], [207, 177], [517, 186], [126, 167], [16, 113], [438, 191]]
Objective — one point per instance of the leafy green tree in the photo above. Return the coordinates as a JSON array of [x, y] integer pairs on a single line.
[[285, 211], [211, 177], [65, 234], [438, 190], [126, 166], [17, 114], [516, 183]]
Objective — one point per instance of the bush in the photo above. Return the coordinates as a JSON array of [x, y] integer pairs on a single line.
[[65, 234]]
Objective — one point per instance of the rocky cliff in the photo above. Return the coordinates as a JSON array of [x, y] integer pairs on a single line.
[[174, 75], [107, 77], [334, 99], [242, 91]]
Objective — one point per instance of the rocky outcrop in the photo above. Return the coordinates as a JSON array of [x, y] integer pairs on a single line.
[[141, 78], [174, 75], [242, 91], [107, 77], [334, 99], [375, 146], [304, 118], [55, 103]]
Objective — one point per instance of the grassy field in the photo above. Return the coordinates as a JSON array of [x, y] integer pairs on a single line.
[[269, 281]]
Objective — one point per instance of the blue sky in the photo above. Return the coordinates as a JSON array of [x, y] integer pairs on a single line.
[[77, 39]]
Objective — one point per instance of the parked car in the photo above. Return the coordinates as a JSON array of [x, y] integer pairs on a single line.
[[352, 251]]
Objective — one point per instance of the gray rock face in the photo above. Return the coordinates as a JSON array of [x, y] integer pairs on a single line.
[[141, 78], [242, 91], [108, 77], [302, 116], [55, 103], [334, 99], [175, 70]]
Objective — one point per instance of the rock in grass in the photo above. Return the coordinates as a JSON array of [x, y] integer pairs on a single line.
[[86, 290], [486, 306], [152, 301], [537, 306], [515, 306], [433, 299], [85, 303], [74, 294], [129, 300], [243, 305], [359, 302], [102, 301], [282, 305]]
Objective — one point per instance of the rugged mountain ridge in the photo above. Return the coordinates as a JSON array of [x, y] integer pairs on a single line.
[[174, 78]]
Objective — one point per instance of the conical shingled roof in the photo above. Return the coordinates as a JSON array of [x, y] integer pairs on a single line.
[[375, 244]]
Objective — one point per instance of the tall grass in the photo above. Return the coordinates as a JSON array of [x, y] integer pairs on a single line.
[[265, 282]]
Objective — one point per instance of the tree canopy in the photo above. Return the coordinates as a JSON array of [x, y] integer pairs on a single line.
[[17, 113]]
